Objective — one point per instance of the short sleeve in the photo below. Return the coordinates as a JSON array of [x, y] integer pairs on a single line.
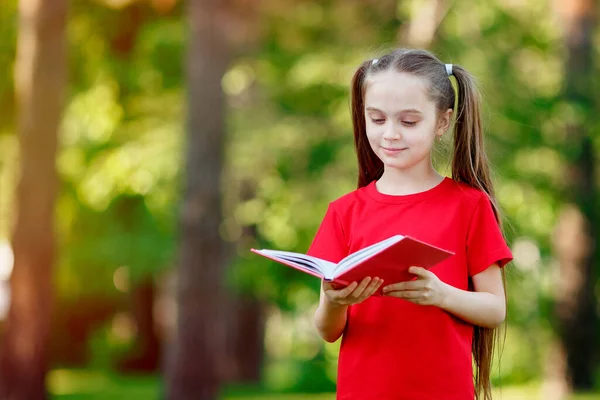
[[485, 242], [330, 242]]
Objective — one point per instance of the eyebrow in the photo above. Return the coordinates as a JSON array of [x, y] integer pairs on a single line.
[[409, 110]]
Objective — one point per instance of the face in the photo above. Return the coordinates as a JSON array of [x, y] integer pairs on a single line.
[[402, 122]]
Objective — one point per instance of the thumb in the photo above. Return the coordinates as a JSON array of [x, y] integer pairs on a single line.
[[419, 271], [328, 285]]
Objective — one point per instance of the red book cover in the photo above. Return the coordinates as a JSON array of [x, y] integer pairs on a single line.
[[392, 263]]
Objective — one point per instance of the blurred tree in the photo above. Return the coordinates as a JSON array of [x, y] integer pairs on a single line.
[[576, 240], [145, 355], [193, 369], [40, 83], [120, 172]]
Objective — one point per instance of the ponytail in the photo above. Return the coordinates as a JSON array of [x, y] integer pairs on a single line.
[[370, 167], [470, 165]]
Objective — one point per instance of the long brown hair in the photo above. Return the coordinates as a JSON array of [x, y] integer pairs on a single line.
[[469, 161]]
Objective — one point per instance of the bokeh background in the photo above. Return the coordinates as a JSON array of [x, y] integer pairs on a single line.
[[147, 145]]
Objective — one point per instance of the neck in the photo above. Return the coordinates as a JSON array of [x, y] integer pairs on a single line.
[[402, 182]]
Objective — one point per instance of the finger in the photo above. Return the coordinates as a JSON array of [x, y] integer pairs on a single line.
[[361, 288], [408, 285], [373, 286], [337, 293], [379, 285], [343, 293], [419, 271], [418, 298], [394, 287], [405, 294], [411, 294]]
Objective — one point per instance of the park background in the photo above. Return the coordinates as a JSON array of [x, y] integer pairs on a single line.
[[147, 145]]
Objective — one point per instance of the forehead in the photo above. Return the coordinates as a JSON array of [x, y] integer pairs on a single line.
[[391, 91]]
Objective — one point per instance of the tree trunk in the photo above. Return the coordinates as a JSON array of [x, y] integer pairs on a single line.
[[193, 366], [246, 320], [145, 355], [577, 245], [245, 340], [40, 82], [426, 18]]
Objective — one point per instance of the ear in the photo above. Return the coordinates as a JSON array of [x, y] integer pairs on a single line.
[[444, 122]]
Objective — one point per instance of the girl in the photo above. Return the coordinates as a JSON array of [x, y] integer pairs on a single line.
[[418, 340]]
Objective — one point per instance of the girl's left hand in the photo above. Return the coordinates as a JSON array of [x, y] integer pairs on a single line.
[[426, 290]]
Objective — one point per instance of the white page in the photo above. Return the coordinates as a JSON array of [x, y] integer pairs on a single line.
[[353, 259], [325, 267]]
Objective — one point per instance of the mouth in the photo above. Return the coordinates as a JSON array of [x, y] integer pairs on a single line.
[[390, 150]]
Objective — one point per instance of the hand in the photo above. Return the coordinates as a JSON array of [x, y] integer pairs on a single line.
[[354, 293], [426, 290]]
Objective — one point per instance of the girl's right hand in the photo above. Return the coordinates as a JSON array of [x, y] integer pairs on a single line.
[[354, 293]]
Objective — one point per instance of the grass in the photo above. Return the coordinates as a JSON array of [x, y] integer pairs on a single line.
[[66, 384], [69, 384]]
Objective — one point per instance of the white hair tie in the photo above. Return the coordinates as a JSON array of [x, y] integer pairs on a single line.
[[449, 69]]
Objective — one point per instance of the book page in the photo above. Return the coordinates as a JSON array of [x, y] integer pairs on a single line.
[[324, 267], [355, 258]]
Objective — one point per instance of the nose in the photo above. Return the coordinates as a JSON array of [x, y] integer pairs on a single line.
[[391, 132]]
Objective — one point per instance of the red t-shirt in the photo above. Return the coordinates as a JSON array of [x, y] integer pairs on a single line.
[[391, 348]]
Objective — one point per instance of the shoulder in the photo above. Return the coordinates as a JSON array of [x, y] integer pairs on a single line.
[[349, 201], [465, 201], [467, 194], [476, 205]]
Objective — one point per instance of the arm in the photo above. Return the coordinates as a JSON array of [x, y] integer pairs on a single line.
[[330, 317], [485, 307]]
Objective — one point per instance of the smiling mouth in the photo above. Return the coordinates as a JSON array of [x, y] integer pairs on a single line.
[[393, 150]]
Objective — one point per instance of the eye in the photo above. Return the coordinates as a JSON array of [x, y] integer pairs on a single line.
[[378, 121], [409, 123]]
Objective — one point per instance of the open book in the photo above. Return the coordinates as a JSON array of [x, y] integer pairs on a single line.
[[388, 260]]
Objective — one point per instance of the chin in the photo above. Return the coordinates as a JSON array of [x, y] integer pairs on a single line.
[[399, 167], [396, 163], [401, 163]]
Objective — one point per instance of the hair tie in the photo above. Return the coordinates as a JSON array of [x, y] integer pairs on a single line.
[[449, 69]]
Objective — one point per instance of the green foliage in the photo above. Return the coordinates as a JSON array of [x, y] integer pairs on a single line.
[[120, 160], [8, 44]]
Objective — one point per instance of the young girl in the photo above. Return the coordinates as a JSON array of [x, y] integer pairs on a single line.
[[416, 342]]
